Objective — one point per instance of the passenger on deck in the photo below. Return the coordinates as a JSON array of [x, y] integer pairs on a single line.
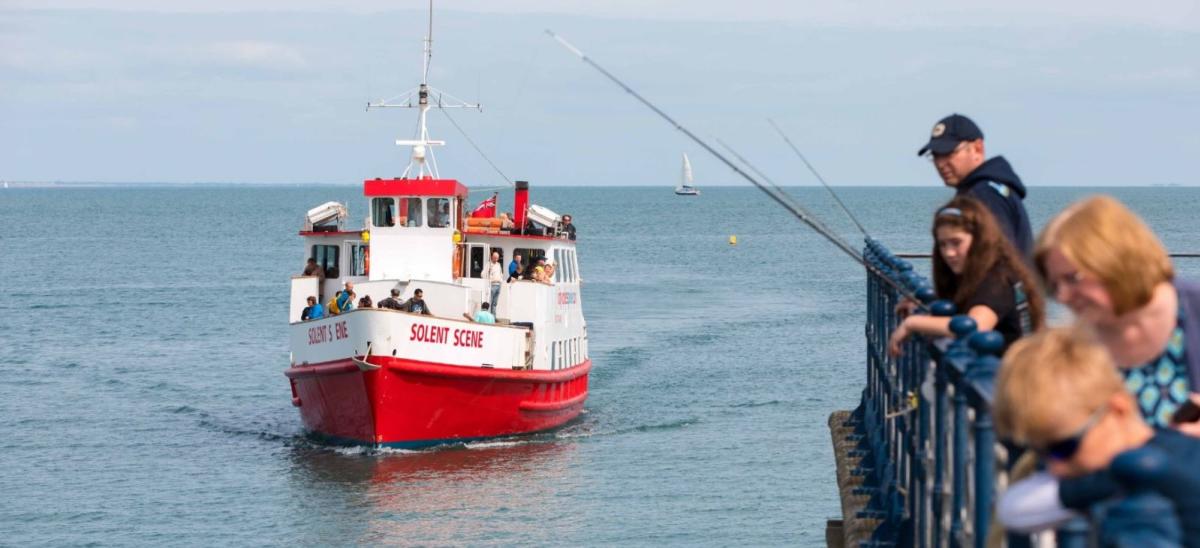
[[495, 277], [482, 316], [1059, 393], [365, 302], [568, 227], [550, 268], [539, 271], [506, 222], [314, 269], [344, 300], [416, 304], [977, 268], [393, 302], [515, 268], [314, 310], [1101, 261]]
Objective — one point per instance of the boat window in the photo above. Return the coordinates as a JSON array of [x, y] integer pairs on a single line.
[[558, 265], [327, 257], [412, 211], [359, 257], [477, 261], [439, 212], [383, 212]]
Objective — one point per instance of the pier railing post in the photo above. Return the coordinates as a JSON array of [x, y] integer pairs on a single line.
[[956, 360], [979, 379], [940, 458]]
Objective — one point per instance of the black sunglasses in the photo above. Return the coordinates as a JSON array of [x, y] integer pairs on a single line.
[[1066, 448]]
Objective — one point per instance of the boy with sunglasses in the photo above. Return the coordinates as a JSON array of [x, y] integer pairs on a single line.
[[1059, 393]]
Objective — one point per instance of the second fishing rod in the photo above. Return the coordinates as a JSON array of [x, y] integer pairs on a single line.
[[775, 193]]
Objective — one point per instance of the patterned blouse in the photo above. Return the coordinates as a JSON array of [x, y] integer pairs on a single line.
[[1161, 385]]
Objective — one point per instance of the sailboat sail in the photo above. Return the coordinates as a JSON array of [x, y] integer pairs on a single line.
[[687, 173], [685, 179]]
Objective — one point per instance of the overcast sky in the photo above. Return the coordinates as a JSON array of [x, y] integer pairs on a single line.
[[1072, 92]]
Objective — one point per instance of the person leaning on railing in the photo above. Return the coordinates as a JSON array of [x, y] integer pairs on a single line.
[[1059, 393], [313, 311], [977, 268]]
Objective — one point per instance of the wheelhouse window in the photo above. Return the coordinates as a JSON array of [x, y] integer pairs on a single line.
[[559, 266], [439, 212], [359, 259], [327, 257], [412, 211], [383, 212]]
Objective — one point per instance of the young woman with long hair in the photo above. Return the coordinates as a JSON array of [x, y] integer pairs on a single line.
[[977, 268]]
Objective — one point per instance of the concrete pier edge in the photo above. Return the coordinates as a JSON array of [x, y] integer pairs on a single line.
[[855, 530]]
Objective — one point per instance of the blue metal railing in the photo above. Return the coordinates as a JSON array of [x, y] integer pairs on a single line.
[[924, 426]]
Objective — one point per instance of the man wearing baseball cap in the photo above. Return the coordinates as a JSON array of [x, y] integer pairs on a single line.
[[956, 148]]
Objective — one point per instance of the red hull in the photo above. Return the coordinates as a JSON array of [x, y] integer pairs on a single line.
[[406, 403]]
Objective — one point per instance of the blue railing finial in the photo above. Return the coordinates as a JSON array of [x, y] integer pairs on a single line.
[[942, 308], [988, 343], [926, 294], [962, 326]]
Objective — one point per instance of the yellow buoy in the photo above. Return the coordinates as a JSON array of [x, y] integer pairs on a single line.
[[365, 235], [733, 240]]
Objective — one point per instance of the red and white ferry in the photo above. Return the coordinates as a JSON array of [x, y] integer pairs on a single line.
[[382, 377]]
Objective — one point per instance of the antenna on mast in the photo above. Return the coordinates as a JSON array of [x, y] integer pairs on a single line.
[[423, 165]]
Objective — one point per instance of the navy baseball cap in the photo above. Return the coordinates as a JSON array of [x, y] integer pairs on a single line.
[[948, 133]]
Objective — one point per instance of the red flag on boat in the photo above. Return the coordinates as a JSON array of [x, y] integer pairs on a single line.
[[486, 208]]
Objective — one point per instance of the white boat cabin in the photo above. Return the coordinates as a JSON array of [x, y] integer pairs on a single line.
[[418, 236]]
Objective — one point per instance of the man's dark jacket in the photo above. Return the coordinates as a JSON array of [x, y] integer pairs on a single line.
[[996, 185]]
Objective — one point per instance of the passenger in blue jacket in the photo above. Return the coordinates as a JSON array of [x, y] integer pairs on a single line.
[[956, 148], [314, 310]]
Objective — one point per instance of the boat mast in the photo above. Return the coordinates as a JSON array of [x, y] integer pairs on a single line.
[[422, 164]]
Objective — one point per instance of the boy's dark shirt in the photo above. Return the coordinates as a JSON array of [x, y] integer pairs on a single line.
[[1181, 484]]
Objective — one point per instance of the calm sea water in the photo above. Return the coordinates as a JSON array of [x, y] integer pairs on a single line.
[[142, 399]]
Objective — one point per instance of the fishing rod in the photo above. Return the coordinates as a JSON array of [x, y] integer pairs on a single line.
[[803, 216], [824, 230], [820, 178]]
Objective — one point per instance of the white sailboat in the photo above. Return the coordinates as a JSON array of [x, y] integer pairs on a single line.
[[685, 187]]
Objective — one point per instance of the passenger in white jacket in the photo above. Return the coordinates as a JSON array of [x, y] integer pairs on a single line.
[[495, 275]]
